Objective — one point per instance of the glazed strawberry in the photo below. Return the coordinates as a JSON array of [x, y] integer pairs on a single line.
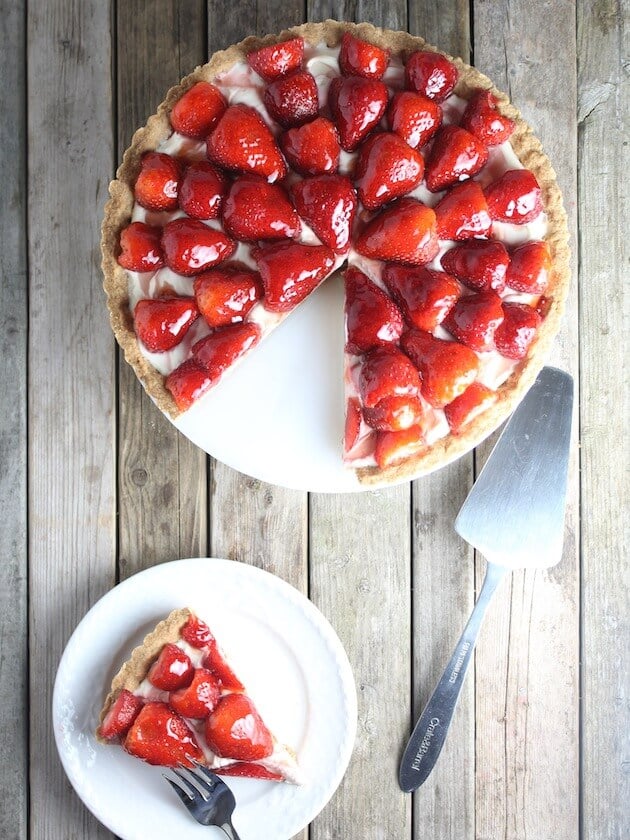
[[386, 372], [414, 117], [196, 632], [187, 383], [243, 142], [517, 330], [172, 669], [191, 247], [352, 425], [543, 306], [483, 119], [157, 184], [327, 204], [160, 736], [463, 410], [431, 74], [201, 191], [313, 148], [474, 319], [120, 716], [359, 58], [372, 317], [529, 268], [463, 213], [456, 155], [357, 105], [161, 323], [198, 110], [215, 662], [250, 771], [396, 446], [292, 100], [225, 295], [514, 197], [198, 699], [404, 232], [424, 296], [446, 368], [219, 350], [386, 168], [277, 59], [291, 271], [480, 264], [236, 730], [392, 414], [140, 247], [255, 209]]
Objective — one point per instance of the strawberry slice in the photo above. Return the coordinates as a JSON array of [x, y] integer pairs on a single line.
[[483, 119], [255, 209], [514, 197], [172, 669], [392, 414], [250, 770], [160, 736], [214, 661], [188, 382], [277, 59], [372, 317], [161, 323], [414, 117], [447, 368], [191, 247], [140, 247], [424, 296], [291, 271], [196, 112], [196, 632], [352, 425], [360, 58], [463, 410], [431, 74], [543, 306], [463, 213], [386, 372], [219, 350], [404, 232], [479, 264], [327, 204], [517, 330], [157, 184], [312, 149], [392, 447], [201, 191], [357, 105], [236, 730], [474, 319], [292, 100], [124, 710], [225, 295], [386, 168], [529, 268], [243, 142], [456, 155], [198, 699]]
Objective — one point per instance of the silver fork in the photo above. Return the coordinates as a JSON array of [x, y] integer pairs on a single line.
[[207, 797]]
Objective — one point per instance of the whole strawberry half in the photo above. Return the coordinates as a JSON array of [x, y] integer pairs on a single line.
[[215, 661], [172, 669], [463, 213], [277, 59], [360, 58], [122, 713], [255, 209], [431, 74], [414, 117], [372, 317], [201, 190], [518, 329], [424, 296], [236, 730], [219, 350], [313, 148], [357, 105], [386, 168], [476, 399], [161, 323], [447, 368], [393, 447], [292, 100], [198, 110], [386, 372], [243, 142], [140, 246], [455, 156], [160, 736], [196, 632], [529, 268], [188, 382], [328, 204], [515, 197], [404, 232], [191, 247], [474, 320], [198, 699], [291, 271], [392, 414], [480, 264], [226, 295], [483, 119], [157, 184]]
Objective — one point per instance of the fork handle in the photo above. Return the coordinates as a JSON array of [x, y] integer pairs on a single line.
[[229, 831]]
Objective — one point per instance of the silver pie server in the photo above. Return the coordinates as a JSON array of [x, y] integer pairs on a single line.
[[514, 515]]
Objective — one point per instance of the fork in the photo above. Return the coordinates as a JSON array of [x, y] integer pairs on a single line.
[[207, 797]]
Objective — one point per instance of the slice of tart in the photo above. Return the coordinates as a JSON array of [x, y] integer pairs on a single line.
[[177, 701]]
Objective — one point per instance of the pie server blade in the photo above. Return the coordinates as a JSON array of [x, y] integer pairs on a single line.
[[514, 515]]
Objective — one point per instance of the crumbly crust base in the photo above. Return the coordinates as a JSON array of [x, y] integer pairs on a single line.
[[526, 146]]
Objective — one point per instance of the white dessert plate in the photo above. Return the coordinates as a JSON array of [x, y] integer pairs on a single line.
[[283, 649]]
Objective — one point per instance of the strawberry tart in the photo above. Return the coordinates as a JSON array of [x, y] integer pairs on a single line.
[[341, 147]]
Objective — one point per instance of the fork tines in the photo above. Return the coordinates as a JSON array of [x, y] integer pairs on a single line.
[[193, 781]]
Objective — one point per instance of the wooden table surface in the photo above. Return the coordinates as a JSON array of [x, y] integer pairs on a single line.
[[96, 485]]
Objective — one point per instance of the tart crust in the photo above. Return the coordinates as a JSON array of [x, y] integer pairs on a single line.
[[527, 148]]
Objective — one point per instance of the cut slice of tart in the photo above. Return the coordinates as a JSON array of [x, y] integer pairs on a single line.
[[177, 701]]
